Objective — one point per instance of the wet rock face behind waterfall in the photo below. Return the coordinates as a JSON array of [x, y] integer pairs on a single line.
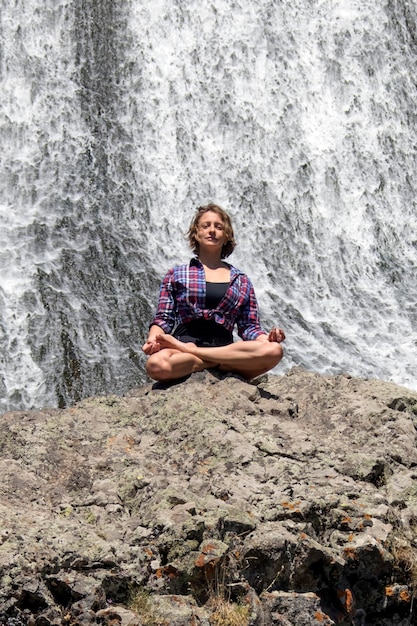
[[288, 501], [120, 117], [74, 270]]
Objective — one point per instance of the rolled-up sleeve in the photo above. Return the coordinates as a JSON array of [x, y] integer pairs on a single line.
[[248, 323], [166, 311]]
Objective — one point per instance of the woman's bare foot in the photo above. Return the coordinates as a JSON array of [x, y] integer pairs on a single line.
[[168, 341]]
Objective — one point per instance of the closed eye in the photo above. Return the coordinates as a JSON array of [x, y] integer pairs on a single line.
[[207, 225]]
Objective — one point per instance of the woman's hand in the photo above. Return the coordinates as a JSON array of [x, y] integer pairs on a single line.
[[151, 345], [276, 334]]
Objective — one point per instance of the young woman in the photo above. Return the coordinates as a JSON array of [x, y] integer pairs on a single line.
[[199, 305]]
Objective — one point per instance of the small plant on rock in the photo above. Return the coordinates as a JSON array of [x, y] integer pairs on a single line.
[[222, 610], [141, 604]]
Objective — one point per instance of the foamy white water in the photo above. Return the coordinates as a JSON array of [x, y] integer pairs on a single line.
[[119, 119]]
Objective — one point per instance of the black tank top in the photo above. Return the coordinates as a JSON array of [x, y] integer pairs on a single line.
[[214, 294], [207, 332]]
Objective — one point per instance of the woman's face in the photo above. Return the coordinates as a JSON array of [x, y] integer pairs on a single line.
[[211, 231]]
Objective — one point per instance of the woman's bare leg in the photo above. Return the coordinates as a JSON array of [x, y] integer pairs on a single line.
[[246, 358], [169, 364]]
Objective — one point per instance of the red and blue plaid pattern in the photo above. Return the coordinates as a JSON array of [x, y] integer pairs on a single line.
[[182, 298]]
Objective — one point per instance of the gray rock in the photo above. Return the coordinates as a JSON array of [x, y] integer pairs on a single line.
[[289, 500]]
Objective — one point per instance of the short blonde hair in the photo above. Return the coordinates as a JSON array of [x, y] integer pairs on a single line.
[[230, 244]]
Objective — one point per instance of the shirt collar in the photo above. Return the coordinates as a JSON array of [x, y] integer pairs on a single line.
[[234, 271]]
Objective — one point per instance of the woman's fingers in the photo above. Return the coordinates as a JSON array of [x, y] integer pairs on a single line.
[[276, 334], [150, 347]]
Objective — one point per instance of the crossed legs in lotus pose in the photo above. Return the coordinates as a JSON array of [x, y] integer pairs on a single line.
[[246, 358]]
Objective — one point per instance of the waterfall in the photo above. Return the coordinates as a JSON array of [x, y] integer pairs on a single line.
[[120, 117]]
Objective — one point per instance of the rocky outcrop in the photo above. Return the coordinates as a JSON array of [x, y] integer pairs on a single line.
[[287, 501]]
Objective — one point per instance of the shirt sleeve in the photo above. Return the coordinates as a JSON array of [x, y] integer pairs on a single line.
[[248, 323], [166, 311]]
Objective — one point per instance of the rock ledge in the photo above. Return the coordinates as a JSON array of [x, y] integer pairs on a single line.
[[288, 501]]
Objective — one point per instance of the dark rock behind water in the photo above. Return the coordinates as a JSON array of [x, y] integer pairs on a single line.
[[291, 501]]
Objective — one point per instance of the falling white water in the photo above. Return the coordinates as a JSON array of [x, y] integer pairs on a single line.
[[118, 119]]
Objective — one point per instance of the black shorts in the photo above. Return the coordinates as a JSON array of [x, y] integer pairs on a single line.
[[204, 333]]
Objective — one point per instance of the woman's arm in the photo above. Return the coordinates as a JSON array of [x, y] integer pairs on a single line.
[[276, 334], [166, 311], [248, 323], [150, 346], [165, 316], [249, 326]]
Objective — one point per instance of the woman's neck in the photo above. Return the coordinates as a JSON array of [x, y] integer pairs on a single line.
[[216, 270], [211, 261]]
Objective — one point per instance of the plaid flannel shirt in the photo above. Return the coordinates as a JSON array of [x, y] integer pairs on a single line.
[[182, 298]]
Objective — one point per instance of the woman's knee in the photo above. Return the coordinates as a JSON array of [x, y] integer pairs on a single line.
[[275, 352], [157, 367]]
